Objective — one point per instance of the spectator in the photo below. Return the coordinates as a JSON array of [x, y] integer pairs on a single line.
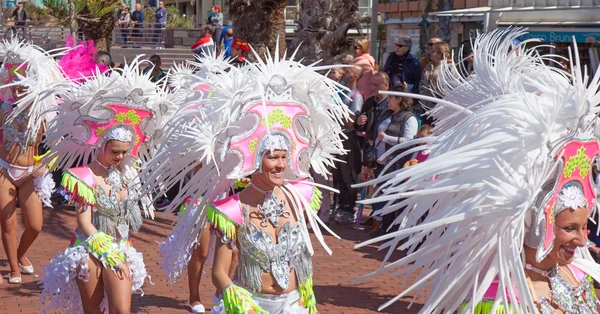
[[465, 66], [354, 99], [223, 34], [403, 67], [422, 155], [123, 23], [103, 57], [238, 49], [227, 42], [156, 73], [336, 74], [363, 59], [426, 59], [397, 124], [137, 18], [428, 86], [161, 22], [205, 44], [347, 170], [123, 6], [21, 18], [216, 20], [347, 59]]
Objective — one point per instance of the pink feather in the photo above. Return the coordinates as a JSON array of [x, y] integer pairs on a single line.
[[80, 61]]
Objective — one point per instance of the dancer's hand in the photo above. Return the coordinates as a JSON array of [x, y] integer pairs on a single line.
[[123, 271]]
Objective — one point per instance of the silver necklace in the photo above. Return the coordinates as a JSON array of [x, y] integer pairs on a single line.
[[114, 178], [272, 207]]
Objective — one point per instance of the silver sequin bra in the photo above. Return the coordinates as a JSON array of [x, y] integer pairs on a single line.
[[12, 134], [259, 252], [579, 299], [115, 217]]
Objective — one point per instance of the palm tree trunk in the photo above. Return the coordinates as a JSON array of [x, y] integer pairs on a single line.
[[260, 22], [322, 29], [98, 30]]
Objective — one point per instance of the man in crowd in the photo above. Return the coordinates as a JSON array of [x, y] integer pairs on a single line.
[[239, 48], [156, 73], [425, 59], [402, 67], [161, 22], [367, 123], [204, 44], [137, 18], [227, 42], [21, 18]]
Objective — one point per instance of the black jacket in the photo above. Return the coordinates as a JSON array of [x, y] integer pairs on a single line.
[[20, 17], [373, 117], [410, 68]]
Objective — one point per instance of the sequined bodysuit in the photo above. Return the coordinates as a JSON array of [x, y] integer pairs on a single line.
[[12, 135], [259, 253]]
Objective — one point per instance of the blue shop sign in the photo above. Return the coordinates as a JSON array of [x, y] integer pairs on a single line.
[[564, 36]]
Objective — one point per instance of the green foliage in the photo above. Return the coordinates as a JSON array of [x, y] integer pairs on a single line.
[[35, 13], [175, 20], [99, 8]]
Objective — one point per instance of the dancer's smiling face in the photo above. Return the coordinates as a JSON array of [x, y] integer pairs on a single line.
[[273, 166], [570, 234]]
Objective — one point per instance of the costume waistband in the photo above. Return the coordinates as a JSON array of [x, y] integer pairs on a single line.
[[15, 172]]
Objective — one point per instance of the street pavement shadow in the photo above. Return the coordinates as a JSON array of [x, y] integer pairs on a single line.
[[359, 297], [140, 304]]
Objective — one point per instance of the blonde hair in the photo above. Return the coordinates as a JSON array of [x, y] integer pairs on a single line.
[[443, 49], [363, 43], [425, 128]]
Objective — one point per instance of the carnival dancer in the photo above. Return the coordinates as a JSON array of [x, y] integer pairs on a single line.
[[239, 48], [268, 120], [188, 90], [507, 189], [108, 123], [27, 72]]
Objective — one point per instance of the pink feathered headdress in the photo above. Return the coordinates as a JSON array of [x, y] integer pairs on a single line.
[[80, 61]]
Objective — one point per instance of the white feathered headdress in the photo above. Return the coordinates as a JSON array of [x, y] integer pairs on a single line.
[[275, 104], [27, 65], [509, 140], [125, 105]]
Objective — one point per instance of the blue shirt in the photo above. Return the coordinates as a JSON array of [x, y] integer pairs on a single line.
[[161, 16], [138, 16], [223, 31], [227, 46]]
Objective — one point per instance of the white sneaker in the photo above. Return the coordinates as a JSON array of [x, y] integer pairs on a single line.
[[14, 280], [198, 308]]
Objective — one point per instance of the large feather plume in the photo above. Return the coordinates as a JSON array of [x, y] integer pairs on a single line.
[[196, 141], [492, 152]]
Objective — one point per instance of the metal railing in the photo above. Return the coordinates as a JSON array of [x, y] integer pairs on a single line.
[[149, 35], [50, 34]]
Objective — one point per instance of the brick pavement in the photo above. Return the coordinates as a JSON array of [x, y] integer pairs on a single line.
[[333, 274]]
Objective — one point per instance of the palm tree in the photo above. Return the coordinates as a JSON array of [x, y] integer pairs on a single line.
[[95, 18], [322, 29], [259, 22]]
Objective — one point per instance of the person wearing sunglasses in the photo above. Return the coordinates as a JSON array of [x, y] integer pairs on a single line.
[[363, 59], [426, 57], [402, 67]]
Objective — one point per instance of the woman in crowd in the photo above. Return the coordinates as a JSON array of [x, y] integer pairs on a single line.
[[363, 59], [27, 73], [396, 125], [508, 189], [264, 127], [429, 80], [108, 123]]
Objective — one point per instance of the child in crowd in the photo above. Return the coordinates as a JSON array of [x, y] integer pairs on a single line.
[[422, 155]]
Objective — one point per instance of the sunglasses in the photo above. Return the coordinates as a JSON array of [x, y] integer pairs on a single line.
[[400, 46], [357, 47], [431, 44]]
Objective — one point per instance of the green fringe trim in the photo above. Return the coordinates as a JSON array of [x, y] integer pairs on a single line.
[[238, 300], [101, 245], [222, 223], [182, 208], [485, 307], [78, 191], [238, 184], [315, 202], [307, 296]]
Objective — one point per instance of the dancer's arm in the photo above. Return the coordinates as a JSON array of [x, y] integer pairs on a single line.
[[84, 221], [221, 264]]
